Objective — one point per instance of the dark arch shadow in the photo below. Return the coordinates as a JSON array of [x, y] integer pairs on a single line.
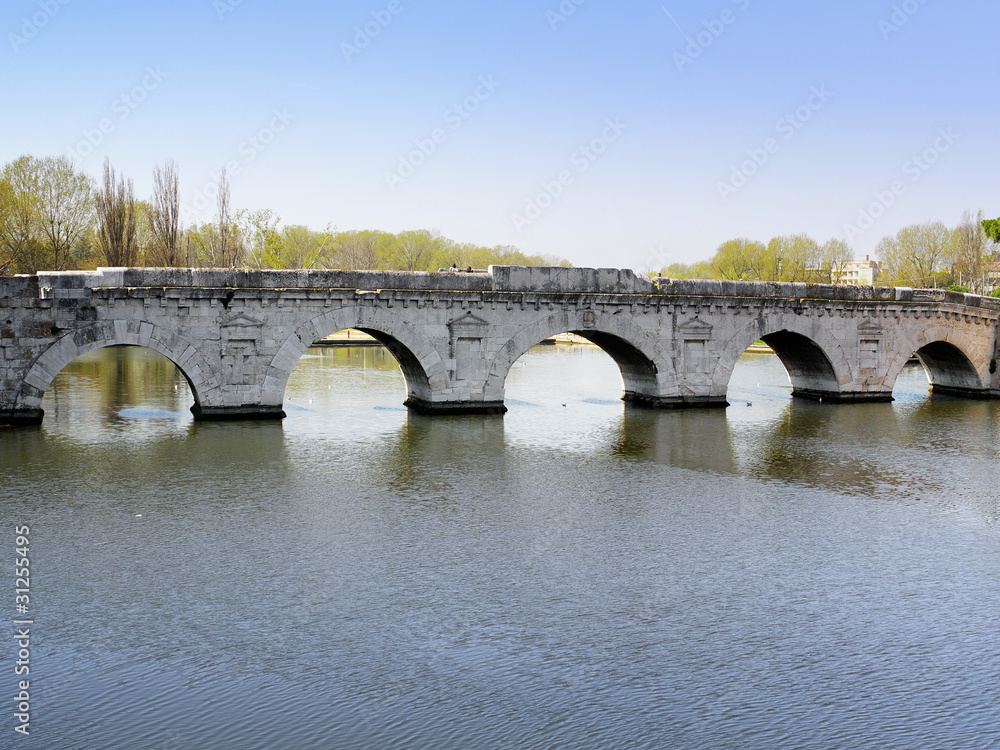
[[637, 374], [413, 372], [637, 370], [809, 369], [949, 370], [423, 370], [645, 368]]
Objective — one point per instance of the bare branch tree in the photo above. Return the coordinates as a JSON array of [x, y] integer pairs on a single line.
[[116, 227], [360, 250], [414, 249], [915, 255], [164, 217], [227, 245], [971, 251]]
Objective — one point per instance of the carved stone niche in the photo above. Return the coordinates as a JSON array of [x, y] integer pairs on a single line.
[[240, 339], [465, 344], [694, 335], [694, 330], [869, 347]]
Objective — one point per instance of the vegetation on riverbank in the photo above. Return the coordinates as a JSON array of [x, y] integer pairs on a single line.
[[53, 217], [919, 255]]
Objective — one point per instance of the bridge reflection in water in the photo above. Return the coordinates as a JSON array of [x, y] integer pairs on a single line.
[[587, 575], [349, 396]]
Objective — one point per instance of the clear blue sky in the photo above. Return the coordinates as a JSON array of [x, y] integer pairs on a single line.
[[692, 91]]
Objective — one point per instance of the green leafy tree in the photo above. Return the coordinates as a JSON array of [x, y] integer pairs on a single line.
[[916, 254], [20, 225], [263, 240], [7, 257], [301, 247], [700, 270], [992, 228], [796, 257], [742, 259], [66, 208], [53, 217], [414, 250], [200, 239]]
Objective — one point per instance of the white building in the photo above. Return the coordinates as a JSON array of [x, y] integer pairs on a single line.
[[861, 272]]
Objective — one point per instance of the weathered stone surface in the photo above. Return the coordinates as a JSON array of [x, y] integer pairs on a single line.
[[237, 334]]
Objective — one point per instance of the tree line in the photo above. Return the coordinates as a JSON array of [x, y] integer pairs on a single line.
[[919, 255], [56, 218]]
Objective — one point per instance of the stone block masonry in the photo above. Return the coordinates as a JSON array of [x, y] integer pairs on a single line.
[[236, 335]]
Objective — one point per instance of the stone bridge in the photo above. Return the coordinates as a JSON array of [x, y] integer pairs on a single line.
[[237, 335]]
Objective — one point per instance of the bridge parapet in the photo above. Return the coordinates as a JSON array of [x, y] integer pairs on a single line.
[[222, 278], [518, 279], [790, 290], [555, 280]]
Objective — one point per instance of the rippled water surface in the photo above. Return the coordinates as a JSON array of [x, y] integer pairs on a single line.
[[576, 574]]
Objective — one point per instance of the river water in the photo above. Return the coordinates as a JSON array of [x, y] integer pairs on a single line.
[[576, 574]]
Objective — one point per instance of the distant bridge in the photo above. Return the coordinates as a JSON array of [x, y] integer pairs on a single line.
[[237, 335]]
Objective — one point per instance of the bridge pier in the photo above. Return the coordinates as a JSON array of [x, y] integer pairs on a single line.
[[964, 392], [21, 417], [236, 413], [843, 397], [675, 402], [422, 406]]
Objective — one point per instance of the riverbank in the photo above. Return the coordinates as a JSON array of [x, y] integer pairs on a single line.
[[350, 337]]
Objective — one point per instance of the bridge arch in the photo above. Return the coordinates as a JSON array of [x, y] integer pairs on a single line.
[[947, 358], [815, 361], [72, 345], [647, 374], [421, 364]]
